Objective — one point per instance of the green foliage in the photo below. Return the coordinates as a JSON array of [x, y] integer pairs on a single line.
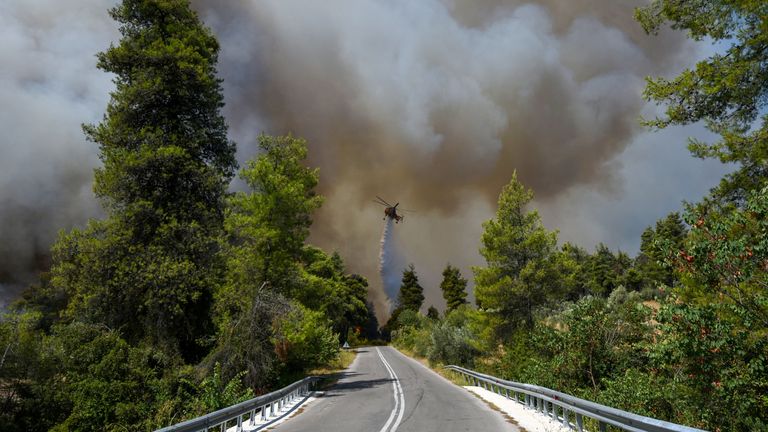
[[719, 365], [327, 288], [26, 364], [304, 339], [573, 263], [727, 91], [266, 227], [641, 393], [267, 264], [657, 247], [151, 268], [452, 345], [725, 257], [411, 295], [412, 331], [245, 343], [594, 340], [109, 384], [216, 393], [175, 304], [432, 313], [518, 250], [454, 288]]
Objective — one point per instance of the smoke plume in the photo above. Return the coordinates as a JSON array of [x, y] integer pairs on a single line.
[[49, 86], [433, 103]]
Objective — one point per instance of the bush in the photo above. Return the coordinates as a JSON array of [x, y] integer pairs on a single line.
[[451, 345], [640, 393], [303, 339]]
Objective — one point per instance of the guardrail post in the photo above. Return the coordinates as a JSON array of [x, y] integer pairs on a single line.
[[579, 423], [602, 426], [239, 423], [565, 417]]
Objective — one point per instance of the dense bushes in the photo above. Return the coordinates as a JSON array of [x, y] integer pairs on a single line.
[[683, 363]]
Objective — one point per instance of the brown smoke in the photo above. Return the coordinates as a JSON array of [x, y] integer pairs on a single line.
[[434, 103], [430, 103]]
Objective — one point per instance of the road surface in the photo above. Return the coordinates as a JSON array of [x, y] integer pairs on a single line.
[[385, 391]]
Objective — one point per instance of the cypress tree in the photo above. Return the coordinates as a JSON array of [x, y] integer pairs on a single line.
[[411, 294], [454, 288]]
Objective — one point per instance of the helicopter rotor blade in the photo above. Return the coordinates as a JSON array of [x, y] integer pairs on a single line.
[[381, 204], [384, 201]]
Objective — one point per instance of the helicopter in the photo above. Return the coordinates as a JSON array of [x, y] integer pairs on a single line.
[[390, 211]]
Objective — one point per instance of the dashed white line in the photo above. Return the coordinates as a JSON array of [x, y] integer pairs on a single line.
[[397, 391]]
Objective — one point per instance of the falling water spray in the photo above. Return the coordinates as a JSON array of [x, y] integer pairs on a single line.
[[388, 264]]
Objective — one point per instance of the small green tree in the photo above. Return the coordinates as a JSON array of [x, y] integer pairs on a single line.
[[304, 339], [327, 288], [602, 271], [267, 227], [411, 294], [656, 244], [265, 230], [518, 249], [454, 288]]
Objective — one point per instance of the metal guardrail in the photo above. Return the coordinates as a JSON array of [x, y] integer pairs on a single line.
[[549, 402], [265, 406]]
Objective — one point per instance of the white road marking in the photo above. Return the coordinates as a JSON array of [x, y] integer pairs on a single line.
[[397, 391]]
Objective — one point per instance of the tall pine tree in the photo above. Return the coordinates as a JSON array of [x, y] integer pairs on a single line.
[[151, 268], [520, 273]]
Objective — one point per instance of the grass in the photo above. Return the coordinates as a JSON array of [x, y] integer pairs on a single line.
[[329, 373]]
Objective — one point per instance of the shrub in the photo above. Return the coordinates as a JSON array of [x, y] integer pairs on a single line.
[[451, 345], [303, 339]]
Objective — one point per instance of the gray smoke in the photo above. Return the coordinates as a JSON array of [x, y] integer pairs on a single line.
[[433, 103], [48, 86]]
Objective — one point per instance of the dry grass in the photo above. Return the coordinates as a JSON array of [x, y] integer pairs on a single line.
[[345, 358], [330, 373]]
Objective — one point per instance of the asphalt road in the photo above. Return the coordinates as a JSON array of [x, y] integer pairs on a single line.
[[385, 391]]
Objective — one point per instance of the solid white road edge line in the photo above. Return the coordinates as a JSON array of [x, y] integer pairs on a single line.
[[397, 392]]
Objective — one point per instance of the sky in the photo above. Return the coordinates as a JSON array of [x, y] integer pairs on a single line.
[[432, 104]]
